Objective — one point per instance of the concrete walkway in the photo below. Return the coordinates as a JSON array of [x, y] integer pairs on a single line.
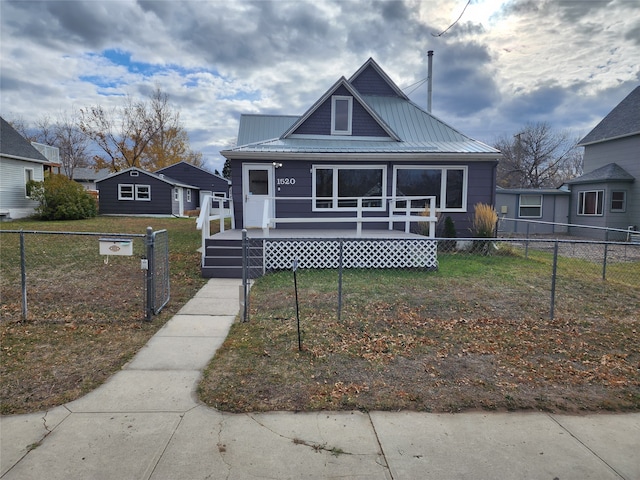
[[146, 423]]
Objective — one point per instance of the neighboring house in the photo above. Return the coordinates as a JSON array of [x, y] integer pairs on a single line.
[[208, 183], [364, 141], [19, 163], [548, 206], [608, 194], [87, 177], [136, 192], [52, 154]]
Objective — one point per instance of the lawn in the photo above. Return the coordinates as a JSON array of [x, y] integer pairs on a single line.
[[475, 334], [85, 313]]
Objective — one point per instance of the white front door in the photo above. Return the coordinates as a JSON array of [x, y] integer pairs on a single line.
[[257, 191]]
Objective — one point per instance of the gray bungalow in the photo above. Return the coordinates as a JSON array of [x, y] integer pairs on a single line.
[[363, 145], [136, 192], [363, 161], [208, 183], [608, 195], [535, 211]]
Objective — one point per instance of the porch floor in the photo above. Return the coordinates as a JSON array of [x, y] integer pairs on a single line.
[[313, 233]]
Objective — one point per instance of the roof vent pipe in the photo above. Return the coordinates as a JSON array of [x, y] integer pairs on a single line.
[[429, 79]]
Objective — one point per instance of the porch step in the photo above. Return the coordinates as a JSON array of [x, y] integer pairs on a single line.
[[223, 259]]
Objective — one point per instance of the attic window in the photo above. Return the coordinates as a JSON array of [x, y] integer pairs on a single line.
[[134, 173], [341, 115]]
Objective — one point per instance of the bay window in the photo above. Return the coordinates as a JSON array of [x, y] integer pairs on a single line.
[[590, 202]]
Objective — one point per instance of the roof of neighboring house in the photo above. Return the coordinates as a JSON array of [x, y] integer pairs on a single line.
[[161, 177], [89, 174], [403, 126], [533, 191], [14, 145], [622, 121], [207, 172], [611, 172]]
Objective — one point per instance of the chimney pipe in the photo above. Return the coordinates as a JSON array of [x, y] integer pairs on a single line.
[[429, 79]]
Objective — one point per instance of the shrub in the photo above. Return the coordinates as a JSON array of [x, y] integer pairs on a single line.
[[485, 220], [60, 198], [449, 232]]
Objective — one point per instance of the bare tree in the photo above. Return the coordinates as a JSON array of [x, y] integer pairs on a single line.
[[537, 157], [73, 144], [122, 133]]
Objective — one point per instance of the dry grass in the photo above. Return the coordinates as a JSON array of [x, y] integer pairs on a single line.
[[474, 335], [86, 318]]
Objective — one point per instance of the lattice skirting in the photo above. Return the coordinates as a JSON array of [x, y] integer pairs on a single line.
[[396, 253]]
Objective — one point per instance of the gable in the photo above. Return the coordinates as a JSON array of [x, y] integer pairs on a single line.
[[319, 122], [622, 121], [14, 145], [371, 80]]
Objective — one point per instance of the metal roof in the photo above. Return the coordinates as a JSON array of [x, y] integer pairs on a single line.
[[257, 128], [622, 121]]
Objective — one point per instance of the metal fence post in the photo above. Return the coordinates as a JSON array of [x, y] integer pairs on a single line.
[[340, 279], [23, 276], [245, 274], [149, 275], [604, 261], [553, 279]]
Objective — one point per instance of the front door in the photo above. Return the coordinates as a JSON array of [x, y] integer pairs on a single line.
[[257, 191]]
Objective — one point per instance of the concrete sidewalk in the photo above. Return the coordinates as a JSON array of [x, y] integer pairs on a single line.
[[146, 423]]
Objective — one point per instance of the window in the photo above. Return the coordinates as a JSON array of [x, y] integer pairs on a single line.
[[590, 203], [447, 184], [530, 206], [125, 191], [143, 192], [618, 201], [28, 176], [341, 115], [340, 187], [188, 195], [176, 194], [134, 173]]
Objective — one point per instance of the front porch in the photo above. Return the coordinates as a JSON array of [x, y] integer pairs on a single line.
[[226, 254]]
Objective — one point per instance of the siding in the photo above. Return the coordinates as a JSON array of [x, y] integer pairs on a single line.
[[369, 82], [12, 186], [191, 175], [161, 196]]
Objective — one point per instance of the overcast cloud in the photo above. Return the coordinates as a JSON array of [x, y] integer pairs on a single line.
[[503, 64]]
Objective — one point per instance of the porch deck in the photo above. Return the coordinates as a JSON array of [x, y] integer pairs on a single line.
[[276, 249]]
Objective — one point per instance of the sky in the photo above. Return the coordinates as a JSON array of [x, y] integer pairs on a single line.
[[499, 64]]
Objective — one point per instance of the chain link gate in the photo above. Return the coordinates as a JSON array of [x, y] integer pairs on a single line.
[[157, 284]]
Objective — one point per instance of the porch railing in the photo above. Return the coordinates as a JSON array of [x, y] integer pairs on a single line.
[[209, 213], [399, 210]]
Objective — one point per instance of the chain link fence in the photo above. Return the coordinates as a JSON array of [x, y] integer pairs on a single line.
[[96, 277], [467, 278]]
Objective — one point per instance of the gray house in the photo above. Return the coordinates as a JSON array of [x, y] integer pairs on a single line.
[[534, 211], [136, 192], [361, 147], [19, 163], [608, 194]]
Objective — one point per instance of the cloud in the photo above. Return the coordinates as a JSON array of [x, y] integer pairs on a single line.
[[503, 64]]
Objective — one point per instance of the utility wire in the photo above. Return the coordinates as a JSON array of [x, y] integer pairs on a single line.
[[457, 20]]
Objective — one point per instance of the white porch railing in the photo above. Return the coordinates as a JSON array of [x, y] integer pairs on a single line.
[[209, 213], [395, 212]]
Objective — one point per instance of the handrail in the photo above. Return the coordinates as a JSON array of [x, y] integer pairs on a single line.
[[203, 222]]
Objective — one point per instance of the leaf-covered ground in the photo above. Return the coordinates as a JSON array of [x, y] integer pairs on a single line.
[[432, 342]]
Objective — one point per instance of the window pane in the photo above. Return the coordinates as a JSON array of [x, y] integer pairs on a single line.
[[324, 187], [360, 182], [618, 201], [534, 200], [455, 184], [341, 115], [530, 212], [259, 182], [419, 182]]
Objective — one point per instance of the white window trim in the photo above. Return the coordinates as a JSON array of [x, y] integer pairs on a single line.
[[520, 206], [581, 199], [624, 202], [176, 194], [134, 173], [120, 196], [29, 174], [443, 183], [335, 197], [349, 115], [188, 195], [138, 188]]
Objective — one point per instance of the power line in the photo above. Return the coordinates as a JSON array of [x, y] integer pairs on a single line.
[[447, 29]]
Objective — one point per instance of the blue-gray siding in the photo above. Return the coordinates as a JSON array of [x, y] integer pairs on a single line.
[[192, 175]]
